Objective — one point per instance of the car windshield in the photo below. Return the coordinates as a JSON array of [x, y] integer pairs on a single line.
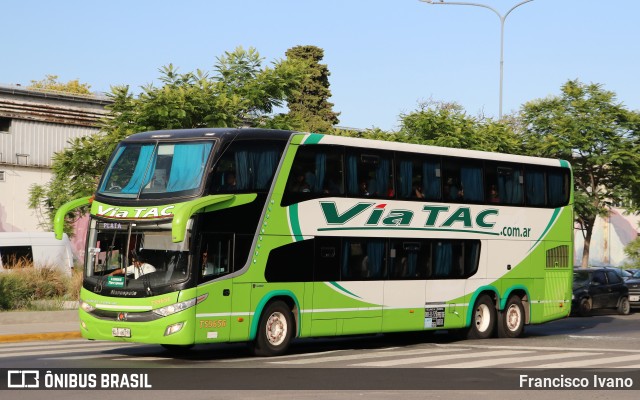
[[134, 256], [636, 274], [623, 273], [151, 170]]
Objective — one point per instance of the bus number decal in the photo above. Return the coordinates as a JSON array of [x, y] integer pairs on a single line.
[[218, 323]]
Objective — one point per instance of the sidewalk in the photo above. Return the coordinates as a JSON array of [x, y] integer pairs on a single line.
[[18, 326]]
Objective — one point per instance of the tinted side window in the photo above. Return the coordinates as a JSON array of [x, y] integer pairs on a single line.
[[216, 255], [291, 263], [599, 277], [418, 178], [369, 174], [535, 192], [247, 167], [316, 172], [548, 187], [462, 180], [409, 259], [505, 184], [558, 187], [455, 258], [613, 277], [363, 259], [327, 267]]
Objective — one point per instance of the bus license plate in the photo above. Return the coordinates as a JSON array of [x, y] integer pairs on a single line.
[[634, 298], [121, 332]]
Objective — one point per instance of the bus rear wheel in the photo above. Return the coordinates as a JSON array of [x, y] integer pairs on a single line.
[[511, 319], [275, 330], [483, 319]]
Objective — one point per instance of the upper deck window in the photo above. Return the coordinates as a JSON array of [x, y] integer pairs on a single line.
[[247, 166], [152, 170]]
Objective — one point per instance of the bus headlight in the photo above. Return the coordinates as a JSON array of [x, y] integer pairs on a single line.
[[86, 307], [177, 307]]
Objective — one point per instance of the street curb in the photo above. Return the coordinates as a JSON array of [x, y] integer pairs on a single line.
[[30, 337]]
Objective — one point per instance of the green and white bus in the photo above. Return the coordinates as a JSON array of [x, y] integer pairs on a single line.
[[264, 236]]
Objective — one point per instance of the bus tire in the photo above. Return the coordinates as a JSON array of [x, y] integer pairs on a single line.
[[511, 319], [275, 330], [483, 318]]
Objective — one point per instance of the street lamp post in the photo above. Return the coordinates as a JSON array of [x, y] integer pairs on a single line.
[[502, 19]]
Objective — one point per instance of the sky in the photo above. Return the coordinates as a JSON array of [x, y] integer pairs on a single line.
[[385, 56]]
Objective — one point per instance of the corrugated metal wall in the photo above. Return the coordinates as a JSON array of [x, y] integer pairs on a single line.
[[33, 142]]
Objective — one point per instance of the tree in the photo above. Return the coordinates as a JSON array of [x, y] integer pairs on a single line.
[[447, 124], [309, 104], [50, 82], [586, 126], [241, 93], [632, 250]]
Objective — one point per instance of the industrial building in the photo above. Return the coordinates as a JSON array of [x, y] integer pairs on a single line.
[[34, 125]]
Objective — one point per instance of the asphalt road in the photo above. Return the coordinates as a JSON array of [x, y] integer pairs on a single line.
[[604, 342]]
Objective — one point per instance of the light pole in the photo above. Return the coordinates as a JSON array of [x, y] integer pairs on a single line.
[[502, 19]]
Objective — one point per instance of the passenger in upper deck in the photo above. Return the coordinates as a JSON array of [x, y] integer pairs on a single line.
[[230, 184]]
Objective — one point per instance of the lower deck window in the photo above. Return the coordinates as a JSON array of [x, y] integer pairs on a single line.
[[357, 259]]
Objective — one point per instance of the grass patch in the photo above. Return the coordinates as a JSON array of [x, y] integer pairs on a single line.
[[24, 287]]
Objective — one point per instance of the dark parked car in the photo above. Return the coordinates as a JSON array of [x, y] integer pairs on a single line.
[[596, 288], [633, 284], [623, 273], [632, 271]]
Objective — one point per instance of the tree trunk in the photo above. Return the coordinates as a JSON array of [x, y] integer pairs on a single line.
[[588, 228]]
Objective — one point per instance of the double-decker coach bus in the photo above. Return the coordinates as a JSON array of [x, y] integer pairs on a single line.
[[226, 235]]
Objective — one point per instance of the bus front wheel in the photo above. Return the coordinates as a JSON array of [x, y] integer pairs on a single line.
[[275, 330], [511, 319], [483, 319]]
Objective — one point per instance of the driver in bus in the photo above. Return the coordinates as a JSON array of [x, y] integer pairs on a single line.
[[208, 267], [137, 268]]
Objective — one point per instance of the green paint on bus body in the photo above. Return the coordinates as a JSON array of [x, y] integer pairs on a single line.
[[313, 138], [58, 220], [263, 302]]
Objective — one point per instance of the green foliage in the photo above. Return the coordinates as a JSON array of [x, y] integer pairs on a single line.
[[373, 133], [50, 82], [447, 124], [599, 136], [241, 92], [309, 103], [632, 250]]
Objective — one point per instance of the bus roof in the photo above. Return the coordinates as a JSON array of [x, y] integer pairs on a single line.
[[314, 138], [436, 150], [210, 133]]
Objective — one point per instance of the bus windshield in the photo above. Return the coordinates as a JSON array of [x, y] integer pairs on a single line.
[[156, 170], [134, 256]]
